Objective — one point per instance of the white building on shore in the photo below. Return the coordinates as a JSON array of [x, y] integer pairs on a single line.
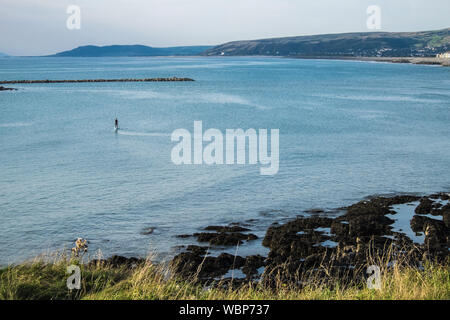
[[445, 55]]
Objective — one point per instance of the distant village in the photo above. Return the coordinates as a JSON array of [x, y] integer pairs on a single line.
[[440, 52]]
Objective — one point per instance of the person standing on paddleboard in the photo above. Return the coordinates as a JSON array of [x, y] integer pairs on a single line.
[[116, 124]]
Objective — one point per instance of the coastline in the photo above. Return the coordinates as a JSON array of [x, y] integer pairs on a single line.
[[317, 236], [312, 257], [409, 60]]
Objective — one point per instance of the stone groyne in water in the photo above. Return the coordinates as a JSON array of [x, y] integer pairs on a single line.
[[173, 79]]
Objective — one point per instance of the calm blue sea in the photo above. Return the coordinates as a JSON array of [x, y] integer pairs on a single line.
[[347, 130]]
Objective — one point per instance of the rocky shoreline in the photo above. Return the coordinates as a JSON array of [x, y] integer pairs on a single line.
[[173, 79], [317, 248], [325, 248]]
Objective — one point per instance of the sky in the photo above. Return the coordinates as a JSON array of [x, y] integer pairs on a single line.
[[39, 27]]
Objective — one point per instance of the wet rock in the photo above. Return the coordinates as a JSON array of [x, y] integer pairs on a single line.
[[442, 196], [340, 227], [348, 228], [369, 225], [233, 262], [367, 218], [323, 248], [420, 223], [6, 89], [198, 250], [224, 238], [429, 205], [425, 206], [417, 223], [436, 236], [183, 236], [378, 206], [252, 264], [446, 217], [290, 230], [187, 263], [194, 264], [297, 247], [230, 235], [443, 211], [436, 232], [294, 245], [315, 211], [231, 228]]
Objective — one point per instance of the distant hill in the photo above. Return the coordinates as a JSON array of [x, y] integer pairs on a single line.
[[131, 51], [369, 44]]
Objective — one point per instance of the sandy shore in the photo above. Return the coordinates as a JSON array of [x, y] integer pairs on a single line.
[[413, 60]]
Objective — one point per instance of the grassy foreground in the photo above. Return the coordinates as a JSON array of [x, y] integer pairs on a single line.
[[47, 280]]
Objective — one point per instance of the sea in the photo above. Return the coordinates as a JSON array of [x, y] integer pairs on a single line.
[[347, 130]]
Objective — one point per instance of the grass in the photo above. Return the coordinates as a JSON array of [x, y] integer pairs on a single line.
[[43, 279]]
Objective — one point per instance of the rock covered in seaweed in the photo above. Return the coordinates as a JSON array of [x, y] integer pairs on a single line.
[[325, 248]]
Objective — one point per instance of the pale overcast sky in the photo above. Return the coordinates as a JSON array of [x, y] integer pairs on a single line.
[[38, 27]]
